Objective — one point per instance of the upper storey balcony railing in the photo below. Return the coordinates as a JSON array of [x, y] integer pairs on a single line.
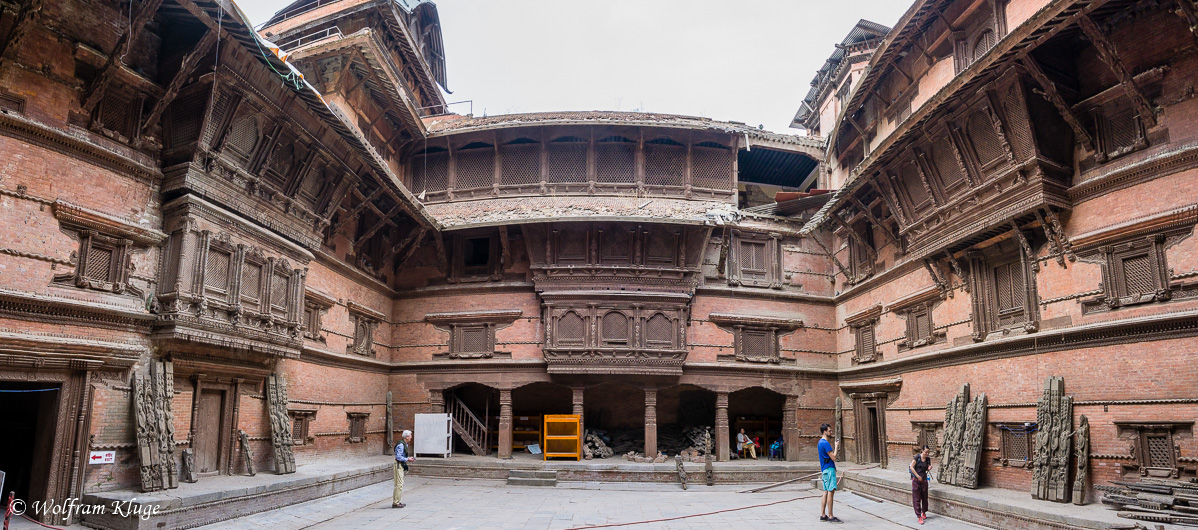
[[549, 161]]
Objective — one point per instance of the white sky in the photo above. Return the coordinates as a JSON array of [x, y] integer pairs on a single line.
[[743, 60]]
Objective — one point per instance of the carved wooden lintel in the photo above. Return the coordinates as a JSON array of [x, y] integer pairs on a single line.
[[937, 277], [1106, 50]]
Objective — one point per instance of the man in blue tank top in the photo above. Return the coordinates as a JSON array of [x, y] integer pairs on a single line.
[[827, 467]]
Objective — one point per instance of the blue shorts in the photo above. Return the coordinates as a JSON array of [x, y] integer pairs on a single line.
[[828, 476]]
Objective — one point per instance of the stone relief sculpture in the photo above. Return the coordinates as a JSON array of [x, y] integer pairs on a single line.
[[972, 445], [964, 437], [280, 425], [152, 395], [954, 431], [389, 447], [1050, 465], [247, 454], [189, 471], [1081, 449]]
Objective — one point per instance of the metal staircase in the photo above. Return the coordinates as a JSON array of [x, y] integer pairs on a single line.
[[467, 426]]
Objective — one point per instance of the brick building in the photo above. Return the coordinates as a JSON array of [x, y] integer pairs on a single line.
[[227, 251]]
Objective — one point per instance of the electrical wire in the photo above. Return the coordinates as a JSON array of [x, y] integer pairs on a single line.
[[664, 519], [30, 390]]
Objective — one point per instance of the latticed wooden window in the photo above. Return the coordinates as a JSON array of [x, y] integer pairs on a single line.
[[1010, 294], [986, 144], [357, 427], [946, 163], [521, 163], [475, 166], [753, 265], [99, 264], [183, 118], [251, 283], [243, 137], [758, 343], [1119, 128], [913, 185], [301, 422], [665, 163], [473, 339], [615, 245], [1158, 450], [711, 166], [919, 326], [615, 328], [659, 332], [615, 160], [278, 294], [430, 171], [570, 330], [566, 160], [866, 346], [216, 270], [661, 247], [982, 44], [927, 436], [119, 114], [1016, 446]]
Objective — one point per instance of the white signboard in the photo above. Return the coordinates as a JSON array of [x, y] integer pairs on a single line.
[[102, 457]]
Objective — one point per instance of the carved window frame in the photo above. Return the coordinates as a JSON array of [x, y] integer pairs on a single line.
[[1106, 120], [914, 336], [772, 249], [222, 246], [965, 42], [253, 301], [770, 336], [1141, 436], [357, 426], [458, 325], [490, 271], [457, 340], [1115, 278], [133, 106], [861, 259], [301, 426], [315, 306], [364, 322], [1014, 440], [986, 313], [117, 280], [928, 433], [866, 348], [606, 341]]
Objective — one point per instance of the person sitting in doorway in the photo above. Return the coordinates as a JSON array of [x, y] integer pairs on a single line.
[[776, 449], [746, 444]]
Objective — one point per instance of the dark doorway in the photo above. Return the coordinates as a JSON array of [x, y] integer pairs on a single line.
[[475, 407], [208, 437], [871, 435], [758, 411], [27, 424]]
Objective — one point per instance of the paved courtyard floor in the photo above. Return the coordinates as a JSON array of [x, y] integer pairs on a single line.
[[435, 503]]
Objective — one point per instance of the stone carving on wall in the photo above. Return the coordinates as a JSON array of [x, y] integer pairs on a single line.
[[389, 447], [964, 434], [280, 424], [839, 426], [154, 420], [1050, 464], [1081, 449], [246, 453]]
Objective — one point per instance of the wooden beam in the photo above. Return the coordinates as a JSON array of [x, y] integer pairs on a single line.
[[107, 72], [442, 263], [1052, 236], [870, 215], [383, 221], [944, 290], [957, 270], [185, 70], [843, 270], [505, 245], [855, 236], [1110, 56], [403, 243], [412, 249], [25, 20], [1187, 11], [1049, 90], [358, 209]]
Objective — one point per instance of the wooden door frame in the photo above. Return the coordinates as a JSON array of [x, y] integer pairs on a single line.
[[228, 418], [861, 402]]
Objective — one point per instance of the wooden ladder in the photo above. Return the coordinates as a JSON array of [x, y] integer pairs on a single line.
[[472, 430]]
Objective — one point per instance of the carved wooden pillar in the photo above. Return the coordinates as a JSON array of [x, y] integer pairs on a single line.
[[650, 422], [790, 428], [436, 402], [505, 423], [389, 436], [577, 403], [721, 426]]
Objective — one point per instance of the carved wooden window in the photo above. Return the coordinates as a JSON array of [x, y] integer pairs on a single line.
[[982, 44], [614, 330], [251, 285], [867, 347], [757, 345], [472, 340], [972, 46], [1119, 129], [184, 117], [279, 302], [301, 423], [665, 162], [615, 160], [217, 270], [661, 247], [1154, 445], [430, 170], [917, 194], [119, 114], [474, 166], [357, 426], [756, 261], [1158, 449], [1136, 272], [919, 326], [103, 262], [566, 160], [570, 330], [313, 318], [363, 341], [659, 332], [1017, 444], [1010, 294], [521, 163], [1005, 295], [711, 166], [927, 433], [243, 137]]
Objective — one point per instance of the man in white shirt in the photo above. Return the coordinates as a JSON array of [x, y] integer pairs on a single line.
[[744, 442]]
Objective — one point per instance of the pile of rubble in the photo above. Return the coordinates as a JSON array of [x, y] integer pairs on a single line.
[[634, 456], [1157, 500], [593, 446]]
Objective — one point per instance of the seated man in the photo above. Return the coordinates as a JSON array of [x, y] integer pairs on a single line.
[[745, 443]]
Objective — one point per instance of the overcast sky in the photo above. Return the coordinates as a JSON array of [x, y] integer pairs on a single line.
[[750, 61]]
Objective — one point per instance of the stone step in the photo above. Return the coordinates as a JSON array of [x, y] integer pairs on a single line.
[[532, 473], [540, 482]]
